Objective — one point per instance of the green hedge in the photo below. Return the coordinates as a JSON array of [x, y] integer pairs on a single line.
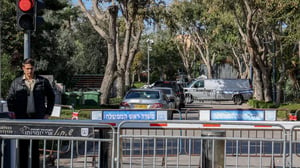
[[283, 110], [260, 104]]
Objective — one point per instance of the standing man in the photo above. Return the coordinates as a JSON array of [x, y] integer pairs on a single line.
[[27, 99]]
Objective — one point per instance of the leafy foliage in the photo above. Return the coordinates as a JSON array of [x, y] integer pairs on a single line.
[[164, 59], [261, 104], [65, 44]]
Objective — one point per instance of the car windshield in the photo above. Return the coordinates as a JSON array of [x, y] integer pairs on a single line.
[[143, 95], [190, 83]]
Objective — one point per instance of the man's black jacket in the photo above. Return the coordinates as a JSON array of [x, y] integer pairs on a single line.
[[17, 97]]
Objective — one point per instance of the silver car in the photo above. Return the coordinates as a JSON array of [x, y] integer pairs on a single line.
[[145, 99], [174, 100]]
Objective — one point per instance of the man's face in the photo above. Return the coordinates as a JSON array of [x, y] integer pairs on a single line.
[[28, 70]]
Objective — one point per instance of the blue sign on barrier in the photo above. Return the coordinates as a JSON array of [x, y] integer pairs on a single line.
[[237, 115], [129, 115]]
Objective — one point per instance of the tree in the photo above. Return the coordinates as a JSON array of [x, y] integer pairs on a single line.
[[187, 53], [90, 50], [104, 21], [133, 13], [53, 44], [122, 38], [11, 46], [136, 67], [202, 23], [165, 61], [259, 23]]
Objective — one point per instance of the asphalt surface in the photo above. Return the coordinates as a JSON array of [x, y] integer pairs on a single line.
[[217, 105], [191, 111]]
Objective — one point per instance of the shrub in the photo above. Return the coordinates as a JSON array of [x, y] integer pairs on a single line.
[[261, 104]]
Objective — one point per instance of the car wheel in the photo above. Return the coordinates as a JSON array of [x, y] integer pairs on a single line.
[[238, 99]]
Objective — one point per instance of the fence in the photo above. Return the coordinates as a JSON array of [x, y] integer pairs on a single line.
[[183, 144], [61, 143], [86, 143]]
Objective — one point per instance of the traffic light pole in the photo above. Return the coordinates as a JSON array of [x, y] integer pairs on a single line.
[[27, 44]]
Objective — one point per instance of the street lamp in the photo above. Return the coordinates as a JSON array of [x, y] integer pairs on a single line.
[[149, 48]]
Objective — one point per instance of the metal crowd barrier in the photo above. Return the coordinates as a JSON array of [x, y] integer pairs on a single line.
[[294, 150], [62, 143], [194, 144], [201, 144]]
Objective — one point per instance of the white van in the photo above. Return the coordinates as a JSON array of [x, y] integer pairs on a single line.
[[236, 90]]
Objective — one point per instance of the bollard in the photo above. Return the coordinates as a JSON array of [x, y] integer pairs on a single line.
[[213, 149]]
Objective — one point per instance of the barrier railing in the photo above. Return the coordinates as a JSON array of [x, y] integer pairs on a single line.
[[200, 144], [76, 142], [108, 144], [294, 145]]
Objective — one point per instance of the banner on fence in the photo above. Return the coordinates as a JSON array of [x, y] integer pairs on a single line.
[[130, 115], [237, 115]]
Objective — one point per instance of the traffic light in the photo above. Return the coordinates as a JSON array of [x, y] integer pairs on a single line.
[[27, 14]]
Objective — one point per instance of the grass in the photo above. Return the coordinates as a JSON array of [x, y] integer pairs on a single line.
[[85, 110], [285, 109]]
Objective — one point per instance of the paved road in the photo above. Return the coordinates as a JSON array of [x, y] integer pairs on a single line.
[[217, 105], [193, 109]]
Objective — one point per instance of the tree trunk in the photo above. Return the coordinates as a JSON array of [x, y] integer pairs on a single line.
[[111, 60], [120, 83], [266, 79], [184, 46], [132, 79], [279, 91], [108, 75], [280, 84], [127, 80], [209, 71], [133, 50], [258, 86], [130, 46], [204, 50]]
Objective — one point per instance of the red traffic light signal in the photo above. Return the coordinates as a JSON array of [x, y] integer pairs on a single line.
[[25, 5], [25, 14]]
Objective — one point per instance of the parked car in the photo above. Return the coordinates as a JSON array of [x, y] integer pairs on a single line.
[[236, 90], [174, 100], [176, 87], [145, 99]]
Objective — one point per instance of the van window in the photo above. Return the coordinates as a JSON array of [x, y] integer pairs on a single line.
[[199, 84]]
